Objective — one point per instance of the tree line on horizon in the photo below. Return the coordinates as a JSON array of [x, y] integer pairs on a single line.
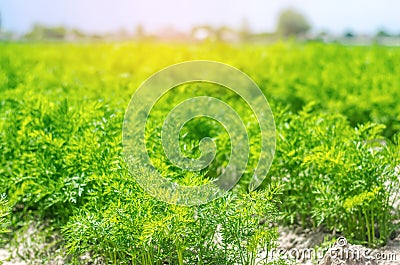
[[290, 24]]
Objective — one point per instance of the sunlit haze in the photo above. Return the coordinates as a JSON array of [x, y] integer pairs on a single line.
[[365, 16]]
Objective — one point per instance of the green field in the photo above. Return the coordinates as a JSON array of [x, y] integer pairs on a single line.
[[336, 166]]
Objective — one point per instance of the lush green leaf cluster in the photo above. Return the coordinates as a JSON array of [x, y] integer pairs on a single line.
[[51, 149], [63, 161], [129, 227], [4, 213], [342, 177]]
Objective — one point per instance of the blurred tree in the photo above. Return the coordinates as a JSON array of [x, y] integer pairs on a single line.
[[77, 33], [292, 23], [55, 33], [349, 34], [35, 33], [40, 32], [382, 33]]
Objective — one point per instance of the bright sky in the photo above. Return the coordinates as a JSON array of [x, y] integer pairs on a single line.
[[337, 16]]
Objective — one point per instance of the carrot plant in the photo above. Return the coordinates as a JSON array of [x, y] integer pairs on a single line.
[[341, 177], [4, 214], [136, 229], [51, 149]]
